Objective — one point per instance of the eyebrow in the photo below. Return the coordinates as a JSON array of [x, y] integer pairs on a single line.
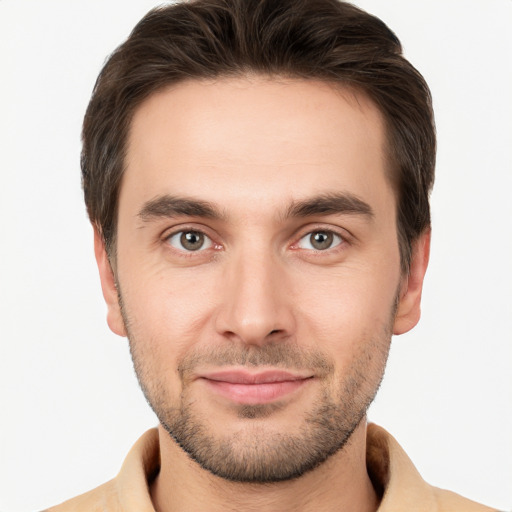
[[330, 204], [167, 206], [171, 206]]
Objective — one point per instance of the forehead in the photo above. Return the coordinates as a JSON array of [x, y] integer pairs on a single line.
[[253, 137]]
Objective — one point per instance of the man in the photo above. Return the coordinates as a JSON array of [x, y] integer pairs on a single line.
[[257, 174]]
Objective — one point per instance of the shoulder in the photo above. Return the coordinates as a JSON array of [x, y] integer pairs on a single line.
[[401, 486], [129, 490], [104, 497], [448, 501]]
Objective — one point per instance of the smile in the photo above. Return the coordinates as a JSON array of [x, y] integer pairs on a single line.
[[249, 388]]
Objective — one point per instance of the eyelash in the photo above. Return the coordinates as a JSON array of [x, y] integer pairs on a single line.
[[190, 253], [334, 234], [343, 241]]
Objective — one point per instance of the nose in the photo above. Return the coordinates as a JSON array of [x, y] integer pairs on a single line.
[[255, 300]]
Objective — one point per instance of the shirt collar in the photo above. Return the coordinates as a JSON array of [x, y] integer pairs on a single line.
[[392, 472]]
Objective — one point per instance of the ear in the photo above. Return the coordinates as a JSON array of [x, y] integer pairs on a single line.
[[409, 306], [108, 286]]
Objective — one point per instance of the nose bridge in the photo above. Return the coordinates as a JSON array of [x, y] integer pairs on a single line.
[[255, 304]]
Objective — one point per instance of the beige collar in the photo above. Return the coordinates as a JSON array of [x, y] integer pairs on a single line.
[[392, 472]]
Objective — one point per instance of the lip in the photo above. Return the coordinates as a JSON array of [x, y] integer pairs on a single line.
[[251, 388]]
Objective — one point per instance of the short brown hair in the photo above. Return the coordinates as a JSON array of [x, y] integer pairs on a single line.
[[327, 40]]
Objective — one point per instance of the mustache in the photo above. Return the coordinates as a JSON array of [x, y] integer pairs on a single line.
[[279, 355]]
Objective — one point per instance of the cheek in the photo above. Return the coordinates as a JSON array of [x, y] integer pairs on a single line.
[[168, 310], [346, 306]]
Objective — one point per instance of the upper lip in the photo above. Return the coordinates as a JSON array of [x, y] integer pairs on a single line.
[[258, 377]]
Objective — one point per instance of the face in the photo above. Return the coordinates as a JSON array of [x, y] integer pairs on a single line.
[[258, 269]]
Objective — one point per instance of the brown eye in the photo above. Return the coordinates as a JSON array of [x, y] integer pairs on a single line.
[[320, 240], [189, 241]]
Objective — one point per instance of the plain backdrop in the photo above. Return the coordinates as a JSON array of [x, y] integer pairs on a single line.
[[70, 407]]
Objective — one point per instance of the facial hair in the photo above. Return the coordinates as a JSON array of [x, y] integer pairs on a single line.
[[255, 453]]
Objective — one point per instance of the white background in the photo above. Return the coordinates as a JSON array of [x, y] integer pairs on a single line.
[[70, 407]]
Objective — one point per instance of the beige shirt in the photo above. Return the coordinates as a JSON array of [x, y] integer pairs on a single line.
[[388, 465]]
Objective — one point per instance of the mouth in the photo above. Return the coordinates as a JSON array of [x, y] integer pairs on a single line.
[[251, 388]]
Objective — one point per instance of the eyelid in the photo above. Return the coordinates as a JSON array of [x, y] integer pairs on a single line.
[[336, 241], [346, 236], [184, 228], [207, 240]]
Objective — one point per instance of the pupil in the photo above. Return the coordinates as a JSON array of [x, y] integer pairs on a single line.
[[321, 240], [192, 240]]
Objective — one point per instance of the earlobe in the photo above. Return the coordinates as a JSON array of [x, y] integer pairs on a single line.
[[409, 305], [108, 286]]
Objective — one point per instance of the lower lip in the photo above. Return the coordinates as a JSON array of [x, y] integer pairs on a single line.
[[252, 394]]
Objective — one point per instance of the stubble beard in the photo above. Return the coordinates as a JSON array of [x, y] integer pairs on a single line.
[[255, 453]]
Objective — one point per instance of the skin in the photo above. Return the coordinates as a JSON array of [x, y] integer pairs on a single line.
[[253, 147]]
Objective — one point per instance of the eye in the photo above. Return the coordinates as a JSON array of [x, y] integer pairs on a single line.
[[189, 241], [320, 240]]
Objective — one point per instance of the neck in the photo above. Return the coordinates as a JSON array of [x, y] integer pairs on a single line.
[[341, 483]]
